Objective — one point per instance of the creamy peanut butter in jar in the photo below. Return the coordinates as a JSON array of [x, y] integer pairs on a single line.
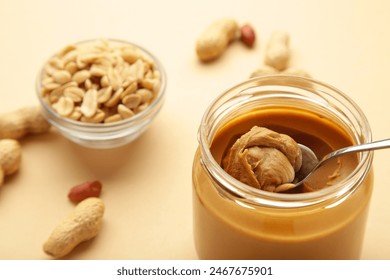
[[325, 218]]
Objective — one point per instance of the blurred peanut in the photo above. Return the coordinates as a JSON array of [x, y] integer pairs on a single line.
[[277, 53], [264, 70], [215, 39], [268, 70], [10, 157], [247, 35], [19, 123], [296, 72]]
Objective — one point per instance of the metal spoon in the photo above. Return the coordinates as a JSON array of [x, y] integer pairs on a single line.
[[310, 163]]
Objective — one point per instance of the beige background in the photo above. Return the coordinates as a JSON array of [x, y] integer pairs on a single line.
[[147, 184]]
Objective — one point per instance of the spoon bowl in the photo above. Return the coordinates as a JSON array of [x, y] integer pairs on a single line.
[[310, 162]]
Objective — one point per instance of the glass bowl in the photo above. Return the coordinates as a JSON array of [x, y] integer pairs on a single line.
[[112, 134]]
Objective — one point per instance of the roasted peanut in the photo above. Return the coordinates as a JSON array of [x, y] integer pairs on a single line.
[[97, 75], [10, 157], [214, 40], [277, 53], [19, 123], [85, 190], [83, 224], [247, 35]]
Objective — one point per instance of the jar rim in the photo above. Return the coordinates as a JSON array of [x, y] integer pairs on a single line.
[[252, 195]]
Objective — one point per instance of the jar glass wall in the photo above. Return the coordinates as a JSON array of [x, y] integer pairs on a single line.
[[235, 221]]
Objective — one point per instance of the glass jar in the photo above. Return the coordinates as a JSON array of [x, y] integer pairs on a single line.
[[235, 221]]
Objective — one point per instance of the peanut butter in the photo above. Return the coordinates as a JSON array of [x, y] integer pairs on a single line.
[[264, 159]]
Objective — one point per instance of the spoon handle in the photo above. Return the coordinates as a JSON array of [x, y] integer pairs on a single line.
[[376, 145]]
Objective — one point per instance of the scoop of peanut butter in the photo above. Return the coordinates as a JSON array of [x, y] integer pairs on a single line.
[[264, 159]]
